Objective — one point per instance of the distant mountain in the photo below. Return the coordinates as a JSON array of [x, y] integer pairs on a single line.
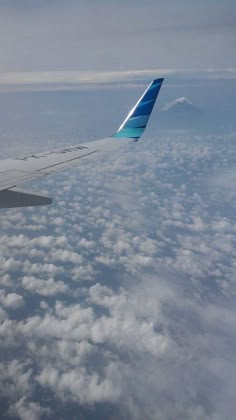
[[181, 113], [182, 104]]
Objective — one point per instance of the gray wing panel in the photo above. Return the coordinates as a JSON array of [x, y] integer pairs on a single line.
[[19, 170], [16, 171]]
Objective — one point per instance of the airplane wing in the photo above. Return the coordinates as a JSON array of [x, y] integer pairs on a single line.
[[16, 171]]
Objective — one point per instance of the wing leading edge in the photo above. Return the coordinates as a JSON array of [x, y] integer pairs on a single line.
[[16, 171]]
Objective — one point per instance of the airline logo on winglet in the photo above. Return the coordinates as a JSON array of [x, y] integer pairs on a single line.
[[136, 121]]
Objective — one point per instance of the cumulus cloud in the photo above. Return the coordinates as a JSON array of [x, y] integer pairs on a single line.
[[17, 377], [11, 300], [48, 287]]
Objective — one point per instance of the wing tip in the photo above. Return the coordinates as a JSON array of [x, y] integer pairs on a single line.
[[158, 80], [137, 119]]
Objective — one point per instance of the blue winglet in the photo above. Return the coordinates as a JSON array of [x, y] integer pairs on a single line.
[[137, 119]]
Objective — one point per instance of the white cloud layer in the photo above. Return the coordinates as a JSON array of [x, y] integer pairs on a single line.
[[127, 286]]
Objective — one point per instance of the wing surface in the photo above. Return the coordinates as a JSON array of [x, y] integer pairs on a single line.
[[16, 171]]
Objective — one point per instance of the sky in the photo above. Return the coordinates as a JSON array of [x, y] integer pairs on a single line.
[[109, 35], [118, 300]]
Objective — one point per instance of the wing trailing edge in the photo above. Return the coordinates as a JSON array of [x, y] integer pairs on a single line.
[[14, 198]]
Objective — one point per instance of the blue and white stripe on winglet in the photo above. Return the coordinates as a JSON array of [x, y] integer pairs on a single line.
[[137, 119]]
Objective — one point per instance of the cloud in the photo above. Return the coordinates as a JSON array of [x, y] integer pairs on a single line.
[[223, 183], [27, 410], [81, 387], [48, 287], [17, 376], [64, 80], [11, 300]]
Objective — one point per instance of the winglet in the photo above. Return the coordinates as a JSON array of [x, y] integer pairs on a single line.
[[137, 119]]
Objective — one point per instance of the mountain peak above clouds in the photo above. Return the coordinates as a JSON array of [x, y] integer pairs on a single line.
[[180, 104], [182, 113]]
